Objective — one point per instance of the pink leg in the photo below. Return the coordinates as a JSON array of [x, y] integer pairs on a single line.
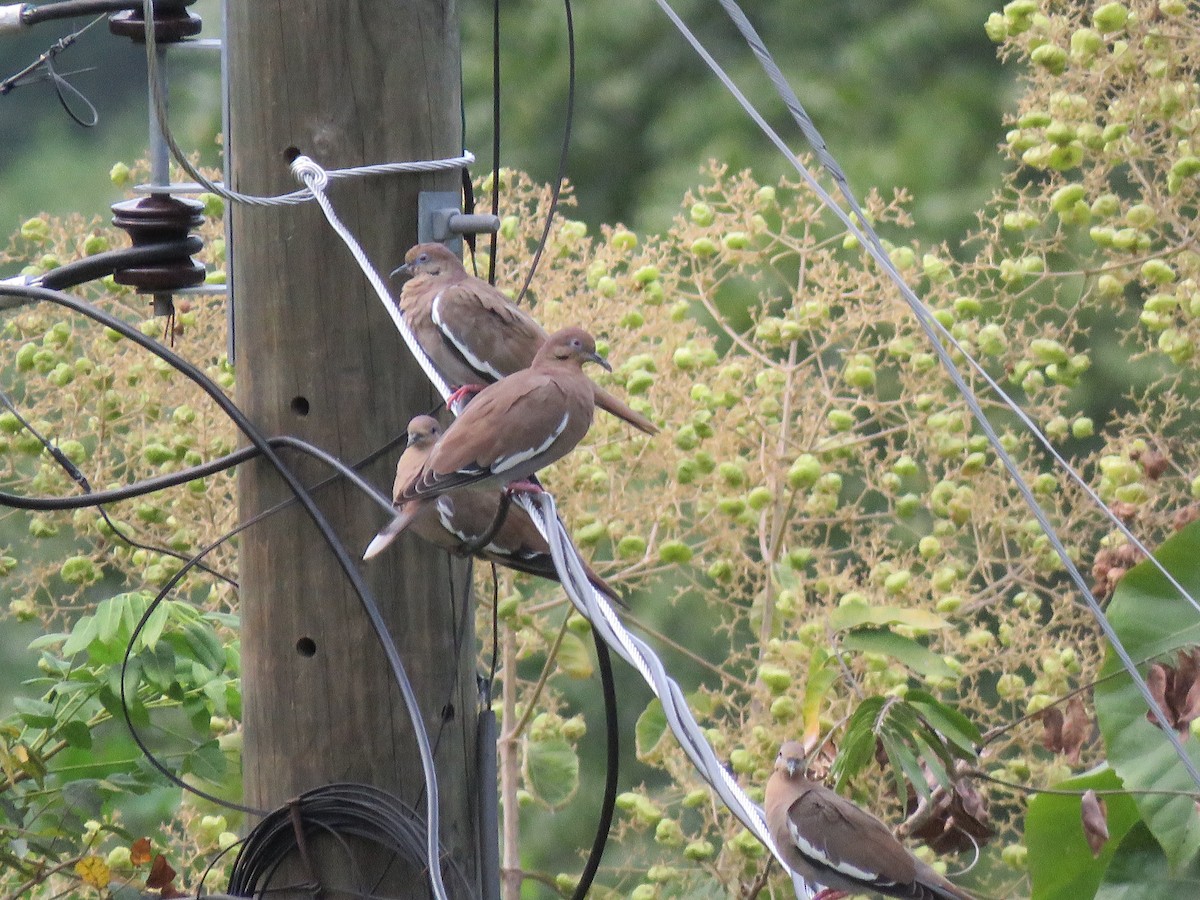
[[462, 393], [524, 487], [830, 894]]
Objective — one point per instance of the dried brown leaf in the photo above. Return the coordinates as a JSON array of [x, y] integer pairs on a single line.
[[1076, 727], [1094, 813], [161, 874], [1052, 737]]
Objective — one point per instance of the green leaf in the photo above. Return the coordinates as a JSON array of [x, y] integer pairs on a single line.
[[77, 734], [205, 647], [948, 721], [154, 626], [1151, 619], [207, 761], [1061, 865], [82, 634], [650, 728], [906, 734], [574, 658], [858, 741], [916, 656], [1139, 871], [822, 675], [47, 640], [108, 618], [852, 615], [159, 666], [35, 713], [552, 771]]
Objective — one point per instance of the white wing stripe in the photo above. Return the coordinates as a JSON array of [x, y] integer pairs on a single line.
[[808, 849], [479, 365], [504, 463]]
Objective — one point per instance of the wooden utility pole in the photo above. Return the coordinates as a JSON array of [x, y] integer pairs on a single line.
[[348, 83]]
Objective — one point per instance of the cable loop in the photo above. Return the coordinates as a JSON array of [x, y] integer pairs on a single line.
[[310, 173]]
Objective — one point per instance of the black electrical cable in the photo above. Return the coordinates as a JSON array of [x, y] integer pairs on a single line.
[[101, 264], [336, 809], [556, 190], [613, 756], [370, 606], [491, 276]]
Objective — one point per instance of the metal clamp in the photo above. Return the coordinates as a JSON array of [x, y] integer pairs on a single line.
[[439, 219]]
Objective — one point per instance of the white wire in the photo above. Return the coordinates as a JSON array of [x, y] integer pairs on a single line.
[[593, 606]]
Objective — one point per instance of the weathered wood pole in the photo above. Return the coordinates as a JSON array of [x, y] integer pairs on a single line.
[[347, 82]]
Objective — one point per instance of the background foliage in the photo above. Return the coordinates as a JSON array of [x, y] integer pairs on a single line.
[[821, 540]]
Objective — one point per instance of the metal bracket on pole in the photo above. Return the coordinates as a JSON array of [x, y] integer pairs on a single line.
[[439, 219]]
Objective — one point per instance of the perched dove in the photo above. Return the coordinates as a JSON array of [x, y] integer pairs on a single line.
[[473, 334], [462, 521], [829, 841]]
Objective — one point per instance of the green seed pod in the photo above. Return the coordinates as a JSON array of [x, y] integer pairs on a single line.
[[36, 231], [1110, 17], [776, 679], [674, 552], [702, 214], [1050, 57]]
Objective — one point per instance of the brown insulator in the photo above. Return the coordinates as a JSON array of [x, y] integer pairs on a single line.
[[156, 219]]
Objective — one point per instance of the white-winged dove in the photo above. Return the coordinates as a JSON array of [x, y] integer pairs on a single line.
[[472, 333], [515, 427], [831, 842], [457, 522]]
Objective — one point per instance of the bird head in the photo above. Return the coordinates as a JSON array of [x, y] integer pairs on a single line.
[[423, 431], [430, 259], [573, 344], [791, 760]]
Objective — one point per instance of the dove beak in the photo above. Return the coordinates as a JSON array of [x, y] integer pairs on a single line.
[[400, 270]]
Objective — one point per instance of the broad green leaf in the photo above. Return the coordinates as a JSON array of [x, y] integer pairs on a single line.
[[207, 761], [1061, 864], [853, 615], [916, 656], [35, 713], [650, 728], [552, 771], [233, 697], [77, 734], [1139, 871], [159, 666], [82, 634], [1150, 619], [204, 646], [574, 657], [153, 628], [47, 640], [108, 618]]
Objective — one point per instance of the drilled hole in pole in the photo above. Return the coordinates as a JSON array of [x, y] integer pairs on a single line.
[[300, 406], [306, 647]]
